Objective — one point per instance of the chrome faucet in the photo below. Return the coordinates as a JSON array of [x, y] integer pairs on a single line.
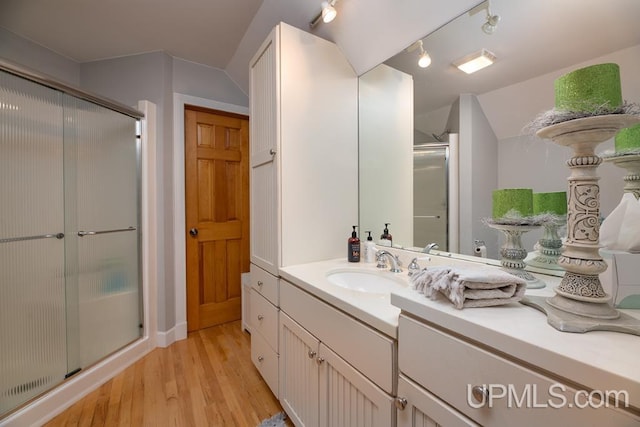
[[427, 249], [382, 257]]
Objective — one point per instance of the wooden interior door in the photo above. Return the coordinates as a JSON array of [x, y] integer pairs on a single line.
[[217, 215]]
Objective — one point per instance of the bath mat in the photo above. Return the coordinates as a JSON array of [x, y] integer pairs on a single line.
[[276, 421]]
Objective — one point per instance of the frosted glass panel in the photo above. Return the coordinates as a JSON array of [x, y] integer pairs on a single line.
[[430, 196], [32, 300], [101, 187]]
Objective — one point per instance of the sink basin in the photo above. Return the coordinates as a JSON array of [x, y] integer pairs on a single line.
[[368, 282]]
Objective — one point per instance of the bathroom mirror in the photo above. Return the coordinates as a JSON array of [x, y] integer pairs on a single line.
[[403, 105]]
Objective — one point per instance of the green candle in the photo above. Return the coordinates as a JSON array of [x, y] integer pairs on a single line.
[[555, 203], [517, 199]]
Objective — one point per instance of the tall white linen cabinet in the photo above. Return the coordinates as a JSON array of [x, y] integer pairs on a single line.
[[304, 170]]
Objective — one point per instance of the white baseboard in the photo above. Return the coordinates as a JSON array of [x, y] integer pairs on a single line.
[[177, 333]]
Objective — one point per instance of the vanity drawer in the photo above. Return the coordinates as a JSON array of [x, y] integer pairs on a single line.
[[265, 283], [265, 360], [515, 395], [264, 319], [373, 353]]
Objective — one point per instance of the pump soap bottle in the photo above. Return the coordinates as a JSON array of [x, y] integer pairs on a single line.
[[385, 238], [369, 249], [354, 246]]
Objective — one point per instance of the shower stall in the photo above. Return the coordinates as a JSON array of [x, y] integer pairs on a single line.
[[70, 244], [431, 195]]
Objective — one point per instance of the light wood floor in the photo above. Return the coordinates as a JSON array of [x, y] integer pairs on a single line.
[[206, 380]]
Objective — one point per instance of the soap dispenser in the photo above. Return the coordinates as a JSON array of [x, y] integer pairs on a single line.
[[353, 246], [385, 238], [369, 249]]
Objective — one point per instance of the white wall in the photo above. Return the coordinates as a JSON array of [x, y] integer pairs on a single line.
[[386, 154], [478, 154]]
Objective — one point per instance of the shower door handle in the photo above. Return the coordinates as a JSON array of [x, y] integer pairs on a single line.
[[40, 236], [116, 230], [193, 232]]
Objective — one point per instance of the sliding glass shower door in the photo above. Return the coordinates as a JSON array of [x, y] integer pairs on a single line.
[[33, 337], [69, 236]]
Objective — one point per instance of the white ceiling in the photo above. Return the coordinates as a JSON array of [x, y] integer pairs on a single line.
[[219, 33], [534, 37], [225, 34]]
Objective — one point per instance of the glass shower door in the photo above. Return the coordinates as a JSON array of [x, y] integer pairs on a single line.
[[430, 195], [32, 285], [102, 251]]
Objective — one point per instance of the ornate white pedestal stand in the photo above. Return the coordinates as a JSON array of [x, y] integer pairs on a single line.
[[549, 246], [580, 303], [513, 254], [630, 162]]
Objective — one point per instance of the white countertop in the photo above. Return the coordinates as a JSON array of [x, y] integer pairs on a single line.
[[597, 360], [373, 309]]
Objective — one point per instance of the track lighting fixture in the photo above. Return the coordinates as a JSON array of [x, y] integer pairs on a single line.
[[327, 14], [490, 26], [424, 60], [491, 21]]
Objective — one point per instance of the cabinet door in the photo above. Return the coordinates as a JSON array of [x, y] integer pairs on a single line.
[[264, 130], [422, 409], [298, 373], [347, 398]]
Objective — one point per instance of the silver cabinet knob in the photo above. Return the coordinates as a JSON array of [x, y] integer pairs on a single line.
[[401, 403], [272, 152], [260, 317], [480, 394], [193, 232], [260, 283], [312, 354], [260, 358], [320, 360]]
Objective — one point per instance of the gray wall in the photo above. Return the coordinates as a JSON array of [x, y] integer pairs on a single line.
[[154, 77]]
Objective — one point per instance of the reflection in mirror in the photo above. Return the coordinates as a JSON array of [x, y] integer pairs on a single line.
[[535, 42]]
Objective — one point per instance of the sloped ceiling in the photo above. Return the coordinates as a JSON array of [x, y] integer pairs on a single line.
[[220, 33]]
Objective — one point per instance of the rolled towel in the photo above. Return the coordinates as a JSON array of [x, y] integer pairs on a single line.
[[467, 287]]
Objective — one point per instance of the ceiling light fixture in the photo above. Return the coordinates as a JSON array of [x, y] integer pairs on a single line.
[[475, 61], [327, 14], [491, 22], [490, 26], [424, 60]]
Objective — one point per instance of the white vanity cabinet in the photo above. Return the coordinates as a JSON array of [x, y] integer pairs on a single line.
[[318, 386], [482, 385]]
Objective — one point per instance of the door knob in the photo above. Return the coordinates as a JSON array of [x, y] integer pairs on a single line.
[[193, 232]]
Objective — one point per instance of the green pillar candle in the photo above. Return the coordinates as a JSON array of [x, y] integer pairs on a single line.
[[589, 89], [628, 139], [555, 203], [518, 199]]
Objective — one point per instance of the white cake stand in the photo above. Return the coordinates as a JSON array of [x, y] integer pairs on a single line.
[[513, 254], [549, 246], [580, 303], [630, 162]]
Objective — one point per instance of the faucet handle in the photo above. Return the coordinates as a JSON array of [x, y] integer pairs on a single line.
[[413, 267]]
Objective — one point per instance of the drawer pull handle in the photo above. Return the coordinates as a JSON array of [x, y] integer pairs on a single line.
[[401, 403], [260, 317], [480, 394], [320, 360], [312, 354], [260, 283], [260, 358]]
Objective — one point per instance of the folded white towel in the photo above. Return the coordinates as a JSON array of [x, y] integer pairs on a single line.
[[467, 287]]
